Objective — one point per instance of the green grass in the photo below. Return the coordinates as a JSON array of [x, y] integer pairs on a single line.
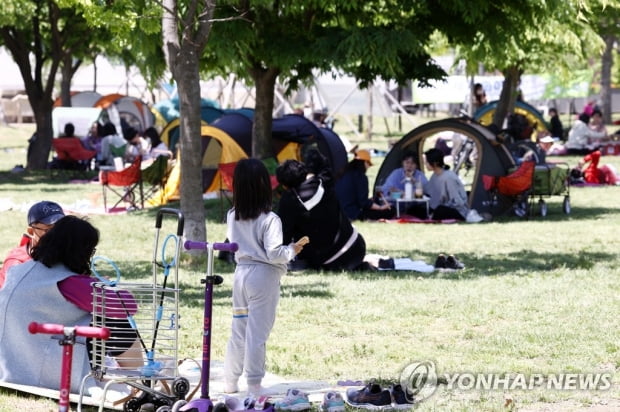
[[537, 296]]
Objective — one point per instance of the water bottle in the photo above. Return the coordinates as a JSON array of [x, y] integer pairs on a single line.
[[408, 188]]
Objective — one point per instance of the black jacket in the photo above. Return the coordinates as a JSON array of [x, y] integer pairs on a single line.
[[312, 210]]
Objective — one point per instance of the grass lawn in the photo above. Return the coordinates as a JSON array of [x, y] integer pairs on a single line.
[[537, 297]]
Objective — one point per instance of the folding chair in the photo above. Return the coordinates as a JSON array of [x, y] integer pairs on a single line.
[[71, 155], [227, 171], [514, 187], [129, 179], [154, 177]]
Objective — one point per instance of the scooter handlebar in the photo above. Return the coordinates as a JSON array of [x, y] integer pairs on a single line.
[[228, 247], [56, 329]]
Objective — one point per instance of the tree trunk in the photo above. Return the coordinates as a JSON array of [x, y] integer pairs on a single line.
[[65, 82], [606, 64], [38, 71], [192, 205], [369, 124], [182, 56], [508, 96], [265, 81], [41, 142]]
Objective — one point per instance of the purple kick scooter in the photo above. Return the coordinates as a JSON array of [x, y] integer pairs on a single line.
[[204, 404]]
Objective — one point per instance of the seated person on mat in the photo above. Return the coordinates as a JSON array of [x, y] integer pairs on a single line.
[[448, 199], [41, 218], [581, 139], [352, 191], [410, 169], [603, 175], [54, 287], [309, 206]]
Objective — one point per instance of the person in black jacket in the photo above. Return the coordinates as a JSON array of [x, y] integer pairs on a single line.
[[555, 124], [309, 207]]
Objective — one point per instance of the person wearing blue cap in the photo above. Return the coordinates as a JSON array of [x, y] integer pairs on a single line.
[[41, 218]]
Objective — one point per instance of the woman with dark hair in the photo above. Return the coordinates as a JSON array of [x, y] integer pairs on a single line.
[[309, 207], [479, 97], [352, 191], [448, 199], [261, 262], [158, 148], [112, 144], [54, 287]]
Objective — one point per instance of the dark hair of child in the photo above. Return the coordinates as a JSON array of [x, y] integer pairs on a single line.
[[252, 194]]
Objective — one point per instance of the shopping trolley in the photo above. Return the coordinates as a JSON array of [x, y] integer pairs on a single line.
[[143, 321]]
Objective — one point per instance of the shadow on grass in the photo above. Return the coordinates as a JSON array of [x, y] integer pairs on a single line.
[[518, 263]]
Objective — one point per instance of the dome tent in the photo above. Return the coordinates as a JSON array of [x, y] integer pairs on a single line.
[[492, 157]]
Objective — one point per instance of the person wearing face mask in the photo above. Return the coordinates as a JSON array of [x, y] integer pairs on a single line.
[[41, 218]]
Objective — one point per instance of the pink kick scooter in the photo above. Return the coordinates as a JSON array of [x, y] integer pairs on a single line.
[[69, 333]]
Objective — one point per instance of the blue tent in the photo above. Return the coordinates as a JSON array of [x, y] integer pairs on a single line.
[[169, 109], [299, 129]]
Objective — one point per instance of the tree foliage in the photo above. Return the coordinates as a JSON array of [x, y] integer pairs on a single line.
[[45, 35], [530, 35], [292, 40]]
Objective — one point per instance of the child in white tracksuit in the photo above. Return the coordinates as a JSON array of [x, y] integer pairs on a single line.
[[261, 261]]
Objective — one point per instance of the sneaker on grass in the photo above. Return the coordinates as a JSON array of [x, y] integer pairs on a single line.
[[235, 404], [332, 402], [371, 396], [295, 400], [453, 263], [400, 398]]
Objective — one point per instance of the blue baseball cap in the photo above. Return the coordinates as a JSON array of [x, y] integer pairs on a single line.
[[45, 212]]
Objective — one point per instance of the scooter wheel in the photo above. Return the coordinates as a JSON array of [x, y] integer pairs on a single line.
[[178, 405], [180, 387], [132, 405], [165, 408], [220, 407]]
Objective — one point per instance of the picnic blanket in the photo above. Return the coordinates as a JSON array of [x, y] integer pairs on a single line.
[[400, 263], [413, 219]]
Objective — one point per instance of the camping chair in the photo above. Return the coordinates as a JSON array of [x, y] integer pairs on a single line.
[[227, 171], [514, 187], [118, 151], [154, 177], [71, 155], [129, 179]]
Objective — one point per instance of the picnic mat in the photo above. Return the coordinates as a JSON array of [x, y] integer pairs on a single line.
[[413, 219], [190, 369], [400, 263]]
